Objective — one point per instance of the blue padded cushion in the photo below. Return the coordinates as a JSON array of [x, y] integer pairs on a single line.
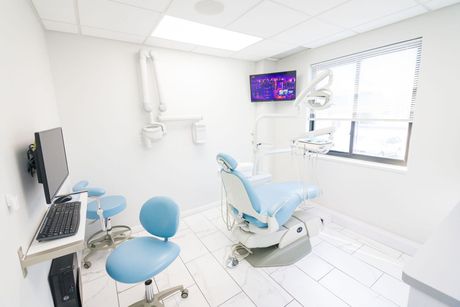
[[288, 194], [160, 216], [80, 185], [111, 205], [139, 259], [92, 191], [227, 160]]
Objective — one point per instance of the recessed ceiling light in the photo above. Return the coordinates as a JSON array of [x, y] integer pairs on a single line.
[[186, 31], [209, 7]]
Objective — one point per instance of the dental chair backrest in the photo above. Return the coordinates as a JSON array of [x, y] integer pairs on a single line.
[[239, 191]]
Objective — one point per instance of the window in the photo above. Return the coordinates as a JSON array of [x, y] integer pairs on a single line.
[[373, 102]]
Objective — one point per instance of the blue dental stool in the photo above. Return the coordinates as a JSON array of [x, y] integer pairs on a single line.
[[101, 208], [141, 258]]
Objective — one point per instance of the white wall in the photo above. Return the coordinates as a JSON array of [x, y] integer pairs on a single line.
[[27, 105], [98, 92], [410, 204]]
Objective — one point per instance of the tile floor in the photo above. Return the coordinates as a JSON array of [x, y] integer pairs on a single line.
[[344, 269]]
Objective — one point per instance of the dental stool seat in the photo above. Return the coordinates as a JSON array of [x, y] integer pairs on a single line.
[[111, 205], [101, 208], [141, 258]]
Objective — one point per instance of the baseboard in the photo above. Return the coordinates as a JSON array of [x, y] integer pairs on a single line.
[[388, 238]]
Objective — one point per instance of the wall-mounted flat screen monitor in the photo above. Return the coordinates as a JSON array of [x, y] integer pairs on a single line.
[[51, 161], [277, 86]]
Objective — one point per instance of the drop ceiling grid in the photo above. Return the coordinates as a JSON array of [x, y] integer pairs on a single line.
[[306, 23]]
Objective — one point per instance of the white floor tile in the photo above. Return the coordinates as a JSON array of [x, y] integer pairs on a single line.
[[200, 225], [393, 289], [123, 287], [338, 239], [383, 262], [195, 298], [294, 303], [216, 285], [258, 286], [132, 295], [174, 275], [305, 290], [239, 300], [97, 269], [314, 266], [216, 240], [219, 223], [190, 246], [100, 292], [345, 262], [315, 241], [212, 214], [348, 289], [372, 243]]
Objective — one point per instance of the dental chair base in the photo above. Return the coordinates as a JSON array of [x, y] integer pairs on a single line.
[[283, 247], [104, 240]]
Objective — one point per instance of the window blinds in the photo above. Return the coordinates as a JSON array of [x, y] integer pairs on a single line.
[[374, 85]]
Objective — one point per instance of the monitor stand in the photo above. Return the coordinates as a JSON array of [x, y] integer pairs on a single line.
[[63, 199]]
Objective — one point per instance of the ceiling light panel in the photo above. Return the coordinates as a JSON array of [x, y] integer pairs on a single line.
[[190, 32]]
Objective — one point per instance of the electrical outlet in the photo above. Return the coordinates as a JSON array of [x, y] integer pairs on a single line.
[[12, 202]]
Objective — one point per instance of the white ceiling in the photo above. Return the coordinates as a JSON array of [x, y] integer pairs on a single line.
[[285, 25]]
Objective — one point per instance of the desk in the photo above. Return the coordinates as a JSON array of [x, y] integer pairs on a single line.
[[43, 251], [434, 272]]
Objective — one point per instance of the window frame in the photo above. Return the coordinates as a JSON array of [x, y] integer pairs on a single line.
[[354, 121]]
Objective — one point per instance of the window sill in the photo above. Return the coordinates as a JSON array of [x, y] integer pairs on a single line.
[[375, 165]]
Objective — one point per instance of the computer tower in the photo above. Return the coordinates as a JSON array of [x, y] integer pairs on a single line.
[[64, 280]]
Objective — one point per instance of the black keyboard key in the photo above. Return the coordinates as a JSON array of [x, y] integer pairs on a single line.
[[62, 220]]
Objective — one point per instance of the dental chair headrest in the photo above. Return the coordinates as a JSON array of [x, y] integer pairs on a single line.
[[227, 161]]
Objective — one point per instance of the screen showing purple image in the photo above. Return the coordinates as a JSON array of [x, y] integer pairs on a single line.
[[278, 86]]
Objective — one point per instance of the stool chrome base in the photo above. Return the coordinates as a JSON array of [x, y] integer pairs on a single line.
[[154, 300], [103, 240]]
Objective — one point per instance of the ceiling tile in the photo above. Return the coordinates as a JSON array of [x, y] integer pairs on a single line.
[[330, 39], [166, 43], [57, 10], [232, 10], [437, 4], [267, 19], [113, 16], [356, 12], [311, 7], [154, 5], [308, 31], [264, 49], [380, 22], [112, 35], [213, 51], [60, 26]]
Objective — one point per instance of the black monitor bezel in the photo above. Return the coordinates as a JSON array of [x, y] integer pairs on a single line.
[[40, 165], [273, 73]]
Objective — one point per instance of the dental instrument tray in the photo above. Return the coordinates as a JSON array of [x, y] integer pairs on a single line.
[[313, 145]]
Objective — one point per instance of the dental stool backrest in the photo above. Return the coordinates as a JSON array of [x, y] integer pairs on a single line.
[[239, 191]]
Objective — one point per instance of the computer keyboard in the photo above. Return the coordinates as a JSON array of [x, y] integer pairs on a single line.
[[61, 220]]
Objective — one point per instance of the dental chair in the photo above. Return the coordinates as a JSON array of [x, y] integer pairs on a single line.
[[266, 223], [101, 208]]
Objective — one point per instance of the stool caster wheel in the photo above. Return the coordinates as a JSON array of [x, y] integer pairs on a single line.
[[184, 293], [87, 264]]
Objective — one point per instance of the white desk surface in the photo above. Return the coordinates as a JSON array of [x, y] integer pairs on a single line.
[[435, 269], [79, 238]]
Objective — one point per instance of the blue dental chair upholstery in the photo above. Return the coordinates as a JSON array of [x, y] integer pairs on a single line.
[[140, 259], [271, 201], [102, 208]]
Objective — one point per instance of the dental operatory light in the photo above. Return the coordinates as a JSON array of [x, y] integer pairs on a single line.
[[177, 29], [317, 99]]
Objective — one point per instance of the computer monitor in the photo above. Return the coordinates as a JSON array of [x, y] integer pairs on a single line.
[[51, 161]]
